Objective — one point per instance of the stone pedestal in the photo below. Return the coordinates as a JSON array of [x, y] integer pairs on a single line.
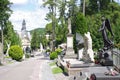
[[70, 53]]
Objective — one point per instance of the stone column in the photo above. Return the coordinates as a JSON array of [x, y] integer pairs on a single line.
[[70, 53]]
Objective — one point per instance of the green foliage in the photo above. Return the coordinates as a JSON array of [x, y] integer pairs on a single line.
[[53, 55], [91, 21], [16, 52], [81, 24], [40, 31], [96, 57], [57, 70], [48, 28], [10, 36], [38, 36], [5, 13], [52, 63], [5, 10], [61, 31], [58, 50], [35, 41], [48, 50]]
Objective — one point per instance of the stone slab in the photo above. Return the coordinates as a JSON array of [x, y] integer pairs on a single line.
[[100, 76]]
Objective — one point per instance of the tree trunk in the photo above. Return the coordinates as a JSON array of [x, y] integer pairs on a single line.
[[83, 7], [2, 46]]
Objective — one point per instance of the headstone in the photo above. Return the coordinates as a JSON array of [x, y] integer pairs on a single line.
[[88, 54], [80, 54], [70, 53], [41, 47]]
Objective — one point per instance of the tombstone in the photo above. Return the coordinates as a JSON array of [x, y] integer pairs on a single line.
[[80, 45], [88, 54], [106, 58], [70, 53], [41, 47]]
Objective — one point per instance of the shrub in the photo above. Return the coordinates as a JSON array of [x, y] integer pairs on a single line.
[[53, 55], [48, 50], [16, 53], [58, 50]]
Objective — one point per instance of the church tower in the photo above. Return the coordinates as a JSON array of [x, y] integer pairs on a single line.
[[24, 36], [23, 25], [23, 30]]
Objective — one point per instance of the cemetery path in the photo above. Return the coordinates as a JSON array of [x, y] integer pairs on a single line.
[[31, 69]]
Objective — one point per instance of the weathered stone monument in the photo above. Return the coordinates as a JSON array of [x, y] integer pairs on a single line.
[[70, 53], [88, 54]]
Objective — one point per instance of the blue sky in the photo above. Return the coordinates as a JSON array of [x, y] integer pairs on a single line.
[[31, 11]]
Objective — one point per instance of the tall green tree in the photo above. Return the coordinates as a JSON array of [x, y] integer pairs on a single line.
[[5, 12], [10, 36], [35, 41], [81, 24], [52, 14]]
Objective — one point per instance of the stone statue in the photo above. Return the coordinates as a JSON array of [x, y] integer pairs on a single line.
[[69, 26], [104, 27], [88, 52]]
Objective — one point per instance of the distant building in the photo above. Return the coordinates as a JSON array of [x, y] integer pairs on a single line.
[[25, 36]]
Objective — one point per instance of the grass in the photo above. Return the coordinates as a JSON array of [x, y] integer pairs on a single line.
[[57, 70], [52, 63]]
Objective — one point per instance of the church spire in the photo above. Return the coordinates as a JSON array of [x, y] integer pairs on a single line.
[[23, 25]]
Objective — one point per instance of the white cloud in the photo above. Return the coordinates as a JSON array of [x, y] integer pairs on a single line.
[[18, 1], [34, 19]]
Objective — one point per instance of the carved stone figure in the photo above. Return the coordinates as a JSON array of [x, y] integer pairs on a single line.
[[88, 52]]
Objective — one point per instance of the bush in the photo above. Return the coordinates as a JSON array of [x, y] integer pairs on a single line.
[[48, 50], [53, 55], [16, 53], [58, 50]]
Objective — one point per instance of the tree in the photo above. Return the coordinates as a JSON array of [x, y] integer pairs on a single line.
[[35, 41], [52, 10], [61, 33], [10, 36], [81, 24], [5, 12], [94, 10]]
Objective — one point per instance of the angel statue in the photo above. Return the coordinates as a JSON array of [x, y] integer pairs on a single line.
[[104, 27]]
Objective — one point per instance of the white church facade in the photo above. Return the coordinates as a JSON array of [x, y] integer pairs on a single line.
[[25, 36]]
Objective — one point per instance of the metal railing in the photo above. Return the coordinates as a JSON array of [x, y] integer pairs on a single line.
[[116, 57]]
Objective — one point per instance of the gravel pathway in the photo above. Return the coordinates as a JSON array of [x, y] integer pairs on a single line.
[[46, 72]]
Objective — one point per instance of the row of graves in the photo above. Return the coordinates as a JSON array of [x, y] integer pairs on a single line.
[[88, 65]]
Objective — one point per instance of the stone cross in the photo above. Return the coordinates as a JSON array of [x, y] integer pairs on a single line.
[[69, 26]]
